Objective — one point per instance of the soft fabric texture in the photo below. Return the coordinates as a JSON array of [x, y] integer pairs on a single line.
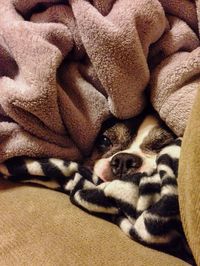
[[189, 180], [144, 206], [41, 227], [65, 67]]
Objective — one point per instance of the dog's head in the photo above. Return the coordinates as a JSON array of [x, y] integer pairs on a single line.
[[128, 147]]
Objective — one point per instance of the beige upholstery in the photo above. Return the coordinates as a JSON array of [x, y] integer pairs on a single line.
[[189, 180], [41, 227]]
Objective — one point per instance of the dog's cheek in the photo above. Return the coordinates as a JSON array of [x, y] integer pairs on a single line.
[[103, 170]]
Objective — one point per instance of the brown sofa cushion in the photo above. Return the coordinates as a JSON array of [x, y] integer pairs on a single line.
[[189, 180], [41, 227]]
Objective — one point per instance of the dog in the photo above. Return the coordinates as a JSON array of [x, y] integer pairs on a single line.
[[126, 147], [123, 147], [144, 207]]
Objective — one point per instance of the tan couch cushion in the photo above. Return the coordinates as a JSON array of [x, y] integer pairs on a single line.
[[189, 180], [41, 227]]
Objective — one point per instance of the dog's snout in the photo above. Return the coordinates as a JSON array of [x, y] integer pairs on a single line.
[[121, 163]]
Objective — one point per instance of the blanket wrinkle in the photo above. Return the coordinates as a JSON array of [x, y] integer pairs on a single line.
[[66, 66], [183, 9], [42, 98], [96, 34], [62, 14], [173, 41], [79, 98]]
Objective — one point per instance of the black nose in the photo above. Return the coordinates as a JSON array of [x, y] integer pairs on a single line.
[[121, 163]]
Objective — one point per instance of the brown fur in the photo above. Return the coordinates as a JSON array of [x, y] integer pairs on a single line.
[[121, 135]]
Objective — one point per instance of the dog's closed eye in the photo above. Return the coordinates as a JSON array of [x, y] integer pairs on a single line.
[[157, 139]]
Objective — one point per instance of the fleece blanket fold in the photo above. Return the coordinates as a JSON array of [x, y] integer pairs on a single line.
[[66, 66], [145, 207]]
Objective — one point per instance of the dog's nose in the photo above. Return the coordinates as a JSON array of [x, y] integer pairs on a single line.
[[122, 162]]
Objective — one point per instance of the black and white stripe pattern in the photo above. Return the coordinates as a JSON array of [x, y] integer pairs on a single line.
[[144, 207]]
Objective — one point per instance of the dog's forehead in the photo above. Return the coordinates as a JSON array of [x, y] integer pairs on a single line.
[[120, 132], [130, 127]]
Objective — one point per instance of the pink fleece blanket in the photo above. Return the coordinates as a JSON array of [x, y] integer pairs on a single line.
[[66, 66]]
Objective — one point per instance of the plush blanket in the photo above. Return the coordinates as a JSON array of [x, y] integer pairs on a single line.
[[145, 207], [66, 66]]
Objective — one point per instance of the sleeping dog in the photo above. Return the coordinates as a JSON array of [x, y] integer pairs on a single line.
[[144, 205], [123, 147], [128, 146]]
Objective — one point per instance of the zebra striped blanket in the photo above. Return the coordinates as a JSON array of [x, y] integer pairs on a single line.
[[145, 207]]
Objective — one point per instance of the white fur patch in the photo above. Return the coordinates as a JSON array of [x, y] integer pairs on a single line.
[[147, 237], [169, 190], [148, 124], [167, 169], [66, 170], [126, 226], [34, 168], [93, 207], [125, 191], [147, 200], [95, 178], [71, 184], [150, 179], [173, 151]]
